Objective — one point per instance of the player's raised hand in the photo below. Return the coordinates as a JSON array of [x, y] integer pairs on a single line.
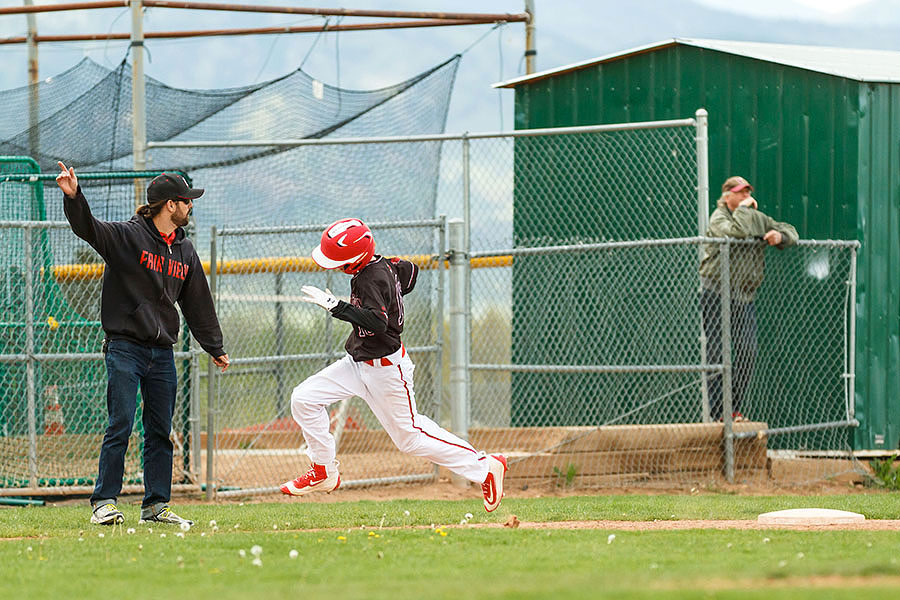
[[314, 295], [66, 180]]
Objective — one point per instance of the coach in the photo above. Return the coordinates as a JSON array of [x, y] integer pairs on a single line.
[[150, 265]]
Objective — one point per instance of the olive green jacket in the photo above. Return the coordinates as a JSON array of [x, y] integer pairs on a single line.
[[747, 261]]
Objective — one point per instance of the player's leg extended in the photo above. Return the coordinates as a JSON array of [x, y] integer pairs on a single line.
[[391, 396], [309, 406]]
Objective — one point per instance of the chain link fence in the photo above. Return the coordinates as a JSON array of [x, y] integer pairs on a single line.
[[579, 337], [623, 385], [52, 374]]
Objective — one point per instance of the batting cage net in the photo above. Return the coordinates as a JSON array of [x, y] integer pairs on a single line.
[[83, 117], [595, 356]]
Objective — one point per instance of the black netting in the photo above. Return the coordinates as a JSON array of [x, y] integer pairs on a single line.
[[85, 118]]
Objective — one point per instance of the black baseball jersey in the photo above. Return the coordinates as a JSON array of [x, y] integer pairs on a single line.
[[376, 307]]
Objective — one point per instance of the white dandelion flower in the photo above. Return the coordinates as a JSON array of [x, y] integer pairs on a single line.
[[256, 550], [257, 562], [293, 554], [610, 538], [242, 553]]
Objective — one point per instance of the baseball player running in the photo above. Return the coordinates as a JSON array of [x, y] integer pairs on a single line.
[[376, 368]]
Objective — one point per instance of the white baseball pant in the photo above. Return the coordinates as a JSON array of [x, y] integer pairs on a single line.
[[388, 390]]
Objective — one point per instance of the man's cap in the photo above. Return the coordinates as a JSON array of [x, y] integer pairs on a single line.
[[736, 184], [171, 186]]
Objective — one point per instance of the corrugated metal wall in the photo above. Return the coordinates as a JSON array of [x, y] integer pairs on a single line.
[[820, 150], [878, 290]]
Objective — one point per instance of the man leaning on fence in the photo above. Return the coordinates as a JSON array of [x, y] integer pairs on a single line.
[[736, 216], [150, 265]]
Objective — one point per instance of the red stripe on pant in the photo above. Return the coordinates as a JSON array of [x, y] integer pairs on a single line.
[[412, 416]]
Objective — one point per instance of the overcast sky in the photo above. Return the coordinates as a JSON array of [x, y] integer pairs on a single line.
[[567, 31]]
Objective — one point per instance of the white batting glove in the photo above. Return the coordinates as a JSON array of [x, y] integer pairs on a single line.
[[314, 295]]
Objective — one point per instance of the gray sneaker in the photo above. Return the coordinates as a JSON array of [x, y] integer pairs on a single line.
[[107, 514], [160, 513]]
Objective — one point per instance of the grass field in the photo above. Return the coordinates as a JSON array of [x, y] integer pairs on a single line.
[[376, 550]]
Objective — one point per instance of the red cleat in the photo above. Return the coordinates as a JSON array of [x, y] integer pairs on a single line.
[[492, 488], [316, 479]]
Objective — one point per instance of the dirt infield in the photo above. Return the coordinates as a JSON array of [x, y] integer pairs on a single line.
[[874, 525]]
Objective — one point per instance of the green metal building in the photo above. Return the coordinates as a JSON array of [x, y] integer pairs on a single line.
[[815, 129]]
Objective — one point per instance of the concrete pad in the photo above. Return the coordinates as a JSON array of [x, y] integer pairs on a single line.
[[809, 516]]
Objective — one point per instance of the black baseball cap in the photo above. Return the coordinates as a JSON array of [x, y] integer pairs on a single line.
[[171, 186]]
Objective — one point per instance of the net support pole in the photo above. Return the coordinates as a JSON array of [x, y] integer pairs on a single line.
[[138, 98], [459, 343], [727, 405], [33, 92], [530, 50]]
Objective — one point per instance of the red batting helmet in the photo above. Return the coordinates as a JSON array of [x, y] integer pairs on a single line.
[[346, 244]]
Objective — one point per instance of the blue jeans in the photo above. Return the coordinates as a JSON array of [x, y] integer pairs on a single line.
[[743, 345], [128, 365]]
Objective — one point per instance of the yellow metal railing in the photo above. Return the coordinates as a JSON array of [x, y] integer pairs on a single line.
[[275, 264]]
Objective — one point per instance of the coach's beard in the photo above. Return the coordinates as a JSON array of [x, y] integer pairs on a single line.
[[181, 221]]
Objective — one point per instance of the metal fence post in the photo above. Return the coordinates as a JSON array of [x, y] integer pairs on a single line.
[[211, 379], [727, 409], [702, 125], [851, 371], [439, 328], [702, 138], [281, 400], [195, 413], [29, 357], [459, 342]]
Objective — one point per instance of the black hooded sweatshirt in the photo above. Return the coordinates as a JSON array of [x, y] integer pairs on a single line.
[[143, 279]]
